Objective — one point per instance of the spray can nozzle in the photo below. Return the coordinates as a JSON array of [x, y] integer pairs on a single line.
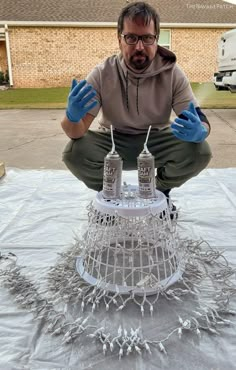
[[112, 173], [146, 171], [145, 148], [113, 148]]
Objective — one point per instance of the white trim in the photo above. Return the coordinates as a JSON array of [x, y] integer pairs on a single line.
[[8, 56], [60, 24], [198, 25], [113, 24]]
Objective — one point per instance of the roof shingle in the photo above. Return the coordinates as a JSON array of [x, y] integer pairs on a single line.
[[171, 11]]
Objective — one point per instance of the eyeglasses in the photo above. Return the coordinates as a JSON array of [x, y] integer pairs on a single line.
[[132, 39]]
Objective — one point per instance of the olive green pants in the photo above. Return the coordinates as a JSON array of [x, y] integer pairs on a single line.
[[176, 161]]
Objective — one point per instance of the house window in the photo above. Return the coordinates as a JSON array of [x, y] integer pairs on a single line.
[[164, 39]]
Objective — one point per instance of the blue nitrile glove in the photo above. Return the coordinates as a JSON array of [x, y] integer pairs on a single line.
[[191, 128], [80, 94]]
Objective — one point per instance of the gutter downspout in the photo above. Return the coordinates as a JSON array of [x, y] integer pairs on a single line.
[[8, 56]]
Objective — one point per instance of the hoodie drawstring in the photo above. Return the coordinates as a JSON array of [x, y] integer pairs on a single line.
[[127, 93], [137, 86]]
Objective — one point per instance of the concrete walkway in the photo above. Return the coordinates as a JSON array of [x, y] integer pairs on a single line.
[[34, 138]]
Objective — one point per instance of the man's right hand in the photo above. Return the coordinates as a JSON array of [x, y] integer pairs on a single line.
[[80, 95]]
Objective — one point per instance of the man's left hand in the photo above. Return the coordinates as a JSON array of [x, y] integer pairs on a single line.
[[189, 129]]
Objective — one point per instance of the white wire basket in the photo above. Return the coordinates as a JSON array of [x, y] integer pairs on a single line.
[[130, 245]]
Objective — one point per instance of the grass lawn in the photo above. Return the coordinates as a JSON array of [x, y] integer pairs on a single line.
[[205, 93], [209, 97], [34, 98]]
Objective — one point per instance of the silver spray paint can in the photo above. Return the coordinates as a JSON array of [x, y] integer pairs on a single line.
[[112, 174], [146, 172], [146, 175]]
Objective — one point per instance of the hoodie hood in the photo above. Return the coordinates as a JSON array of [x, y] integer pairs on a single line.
[[163, 60]]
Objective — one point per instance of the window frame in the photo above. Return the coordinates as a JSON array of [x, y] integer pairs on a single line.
[[168, 46]]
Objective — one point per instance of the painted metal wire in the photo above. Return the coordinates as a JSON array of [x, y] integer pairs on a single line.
[[130, 245]]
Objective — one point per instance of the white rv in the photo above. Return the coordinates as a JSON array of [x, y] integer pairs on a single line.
[[226, 77]]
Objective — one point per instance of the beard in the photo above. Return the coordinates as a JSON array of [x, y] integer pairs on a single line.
[[139, 60]]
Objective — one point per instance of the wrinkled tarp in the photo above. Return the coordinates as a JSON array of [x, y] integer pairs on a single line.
[[41, 214]]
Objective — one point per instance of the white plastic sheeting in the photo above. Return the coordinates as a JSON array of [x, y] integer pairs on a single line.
[[40, 214]]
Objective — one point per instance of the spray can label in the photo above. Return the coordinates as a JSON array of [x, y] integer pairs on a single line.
[[146, 176], [112, 177]]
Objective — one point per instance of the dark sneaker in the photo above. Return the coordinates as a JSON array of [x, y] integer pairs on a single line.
[[172, 208]]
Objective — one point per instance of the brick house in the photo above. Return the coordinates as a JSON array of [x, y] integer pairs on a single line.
[[45, 43]]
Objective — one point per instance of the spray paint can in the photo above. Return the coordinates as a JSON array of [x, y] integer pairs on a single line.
[[112, 174], [146, 172]]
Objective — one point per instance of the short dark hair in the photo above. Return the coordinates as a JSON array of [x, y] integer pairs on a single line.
[[141, 10]]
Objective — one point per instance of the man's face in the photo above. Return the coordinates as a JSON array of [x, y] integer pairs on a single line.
[[137, 56]]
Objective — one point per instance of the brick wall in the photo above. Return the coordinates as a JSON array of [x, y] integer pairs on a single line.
[[48, 57], [196, 51], [44, 57], [3, 57]]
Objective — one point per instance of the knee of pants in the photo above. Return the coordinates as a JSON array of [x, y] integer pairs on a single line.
[[74, 158], [84, 151], [69, 156], [200, 156], [78, 153], [71, 160], [87, 170]]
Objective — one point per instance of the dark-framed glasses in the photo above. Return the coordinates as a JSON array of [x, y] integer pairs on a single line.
[[132, 39]]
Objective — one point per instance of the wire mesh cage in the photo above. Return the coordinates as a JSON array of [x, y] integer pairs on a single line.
[[130, 245]]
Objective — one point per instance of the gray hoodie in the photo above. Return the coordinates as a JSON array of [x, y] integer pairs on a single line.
[[132, 101]]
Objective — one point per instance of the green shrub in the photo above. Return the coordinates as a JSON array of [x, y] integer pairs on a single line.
[[2, 78], [7, 77]]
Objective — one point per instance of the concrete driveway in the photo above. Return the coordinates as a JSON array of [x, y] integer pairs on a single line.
[[34, 138]]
